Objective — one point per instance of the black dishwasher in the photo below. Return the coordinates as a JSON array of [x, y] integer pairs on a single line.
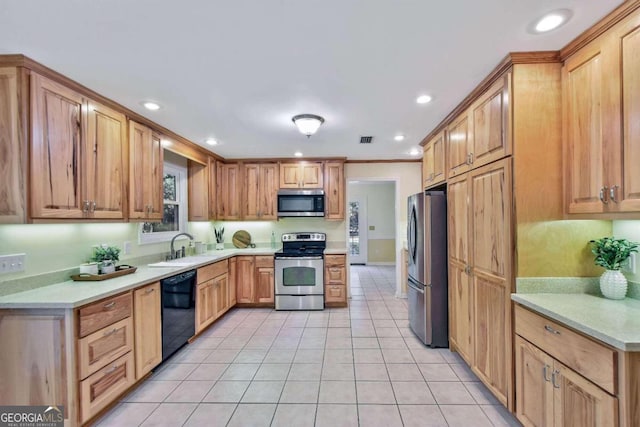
[[178, 311]]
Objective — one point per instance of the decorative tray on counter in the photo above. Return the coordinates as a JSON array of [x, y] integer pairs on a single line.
[[121, 270]]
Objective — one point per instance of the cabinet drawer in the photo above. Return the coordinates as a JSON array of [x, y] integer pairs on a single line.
[[335, 293], [334, 260], [264, 261], [210, 271], [103, 313], [585, 356], [103, 387], [335, 276], [104, 346]]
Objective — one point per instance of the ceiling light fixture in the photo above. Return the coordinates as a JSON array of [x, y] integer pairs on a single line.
[[550, 21], [399, 137], [414, 152], [151, 105], [307, 124], [297, 154], [423, 99], [212, 141]]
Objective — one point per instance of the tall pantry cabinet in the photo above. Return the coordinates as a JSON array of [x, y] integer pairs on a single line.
[[504, 150]]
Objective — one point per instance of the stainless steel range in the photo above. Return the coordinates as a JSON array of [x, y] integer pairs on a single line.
[[299, 269]]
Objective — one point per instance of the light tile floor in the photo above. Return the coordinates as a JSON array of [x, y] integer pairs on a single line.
[[339, 367]]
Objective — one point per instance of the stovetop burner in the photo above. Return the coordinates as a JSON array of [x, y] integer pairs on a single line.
[[302, 244]]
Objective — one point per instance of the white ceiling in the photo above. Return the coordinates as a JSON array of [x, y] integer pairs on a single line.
[[238, 70]]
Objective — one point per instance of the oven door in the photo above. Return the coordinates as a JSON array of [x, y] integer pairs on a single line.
[[299, 275]]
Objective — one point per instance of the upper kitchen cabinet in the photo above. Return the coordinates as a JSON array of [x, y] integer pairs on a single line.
[[146, 198], [213, 189], [301, 175], [228, 188], [433, 161], [601, 100], [334, 188], [459, 146], [13, 137], [198, 189], [260, 186], [78, 155]]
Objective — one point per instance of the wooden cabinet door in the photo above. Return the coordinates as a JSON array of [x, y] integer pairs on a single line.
[[268, 191], [534, 368], [106, 145], [232, 281], [578, 402], [290, 175], [13, 146], [312, 175], [458, 199], [245, 279], [198, 190], [213, 190], [492, 250], [147, 319], [265, 286], [459, 135], [334, 191], [460, 311], [584, 109], [335, 275], [229, 191], [57, 151], [427, 165], [491, 124], [251, 184], [146, 197], [221, 298], [205, 304], [434, 161], [624, 178]]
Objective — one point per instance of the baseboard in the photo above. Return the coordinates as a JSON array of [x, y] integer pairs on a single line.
[[401, 295]]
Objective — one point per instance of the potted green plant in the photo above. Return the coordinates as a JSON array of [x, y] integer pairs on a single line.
[[611, 254], [106, 257]]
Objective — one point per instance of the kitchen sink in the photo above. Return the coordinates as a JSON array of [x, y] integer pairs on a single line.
[[182, 262]]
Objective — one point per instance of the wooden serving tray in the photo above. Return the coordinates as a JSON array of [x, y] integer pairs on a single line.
[[121, 270]]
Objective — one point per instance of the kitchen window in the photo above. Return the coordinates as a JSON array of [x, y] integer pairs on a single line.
[[174, 218]]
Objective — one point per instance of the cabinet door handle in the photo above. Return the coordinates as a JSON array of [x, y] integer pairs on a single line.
[[111, 332], [612, 193], [602, 195], [93, 206], [111, 369], [550, 329], [149, 290], [544, 373], [470, 158], [109, 305], [554, 375], [85, 206]]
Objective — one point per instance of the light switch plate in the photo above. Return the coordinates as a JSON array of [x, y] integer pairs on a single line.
[[13, 263]]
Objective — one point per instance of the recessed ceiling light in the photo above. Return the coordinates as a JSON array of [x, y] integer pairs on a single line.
[[550, 21], [423, 99], [212, 141], [297, 154], [399, 137], [414, 152], [151, 105]]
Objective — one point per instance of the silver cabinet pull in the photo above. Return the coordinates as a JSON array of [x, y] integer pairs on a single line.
[[544, 373], [602, 195], [111, 332], [111, 369], [554, 375], [109, 305], [612, 193], [550, 329], [470, 158], [85, 206], [149, 290], [93, 206]]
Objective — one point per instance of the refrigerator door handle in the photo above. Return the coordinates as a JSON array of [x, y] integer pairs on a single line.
[[414, 285]]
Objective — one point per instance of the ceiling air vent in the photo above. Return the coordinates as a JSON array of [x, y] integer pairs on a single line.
[[366, 139]]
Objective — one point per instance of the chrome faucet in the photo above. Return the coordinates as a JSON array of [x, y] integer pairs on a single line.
[[174, 253]]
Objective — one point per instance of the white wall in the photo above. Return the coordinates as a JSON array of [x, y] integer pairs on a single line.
[[629, 230], [408, 179]]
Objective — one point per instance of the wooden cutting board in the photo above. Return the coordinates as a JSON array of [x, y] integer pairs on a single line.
[[241, 239]]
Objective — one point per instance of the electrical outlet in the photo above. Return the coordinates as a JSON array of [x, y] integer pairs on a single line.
[[12, 263], [126, 248], [630, 265]]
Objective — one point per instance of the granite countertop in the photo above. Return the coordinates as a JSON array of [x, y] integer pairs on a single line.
[[70, 294], [614, 322]]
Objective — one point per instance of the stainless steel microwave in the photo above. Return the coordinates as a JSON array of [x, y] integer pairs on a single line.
[[300, 203]]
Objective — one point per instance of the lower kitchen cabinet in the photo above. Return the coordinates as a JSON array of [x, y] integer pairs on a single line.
[[147, 319], [205, 305], [562, 377], [212, 293], [335, 280], [233, 262], [255, 280]]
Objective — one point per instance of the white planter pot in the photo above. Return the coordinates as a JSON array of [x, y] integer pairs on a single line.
[[107, 267], [613, 284], [219, 246]]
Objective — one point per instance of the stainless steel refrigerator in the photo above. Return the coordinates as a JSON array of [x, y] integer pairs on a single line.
[[427, 288]]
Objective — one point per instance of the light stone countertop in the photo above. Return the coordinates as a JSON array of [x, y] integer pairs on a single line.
[[614, 322], [70, 294]]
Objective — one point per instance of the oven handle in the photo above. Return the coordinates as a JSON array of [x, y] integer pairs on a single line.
[[302, 258]]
